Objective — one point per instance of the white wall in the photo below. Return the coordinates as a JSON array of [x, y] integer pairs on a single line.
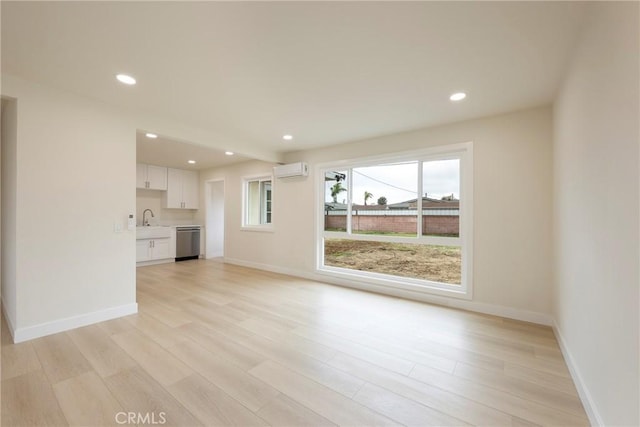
[[74, 178], [9, 213], [596, 214], [512, 185], [254, 246]]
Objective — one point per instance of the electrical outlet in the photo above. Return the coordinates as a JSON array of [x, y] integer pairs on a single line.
[[117, 226]]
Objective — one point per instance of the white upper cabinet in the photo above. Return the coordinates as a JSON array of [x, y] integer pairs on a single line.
[[157, 177], [173, 197], [190, 189], [151, 177], [182, 189], [141, 175]]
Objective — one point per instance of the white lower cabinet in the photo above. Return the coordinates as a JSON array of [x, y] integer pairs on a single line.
[[162, 249], [143, 250], [154, 249]]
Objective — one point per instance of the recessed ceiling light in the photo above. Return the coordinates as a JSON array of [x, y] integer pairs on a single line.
[[287, 137], [193, 162], [151, 135], [126, 79], [229, 153], [459, 96]]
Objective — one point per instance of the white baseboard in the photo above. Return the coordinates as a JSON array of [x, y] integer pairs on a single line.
[[267, 267], [478, 307], [587, 401], [7, 319], [214, 255], [61, 325], [503, 311], [155, 262]]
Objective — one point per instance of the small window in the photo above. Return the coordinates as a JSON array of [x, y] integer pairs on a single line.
[[258, 202]]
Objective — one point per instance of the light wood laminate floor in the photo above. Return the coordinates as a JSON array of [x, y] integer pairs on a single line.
[[216, 344]]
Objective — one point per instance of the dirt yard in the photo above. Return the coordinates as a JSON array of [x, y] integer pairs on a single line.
[[436, 263]]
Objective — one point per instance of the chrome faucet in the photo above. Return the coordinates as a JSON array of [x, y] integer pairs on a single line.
[[144, 220]]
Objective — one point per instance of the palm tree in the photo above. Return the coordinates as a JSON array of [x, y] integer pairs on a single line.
[[367, 196], [336, 189]]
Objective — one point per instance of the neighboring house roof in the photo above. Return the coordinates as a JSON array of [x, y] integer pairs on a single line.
[[331, 206], [343, 207], [428, 203], [369, 207]]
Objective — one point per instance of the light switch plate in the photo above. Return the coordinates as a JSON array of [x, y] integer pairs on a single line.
[[117, 226]]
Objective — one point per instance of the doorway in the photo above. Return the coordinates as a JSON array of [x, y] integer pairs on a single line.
[[214, 219]]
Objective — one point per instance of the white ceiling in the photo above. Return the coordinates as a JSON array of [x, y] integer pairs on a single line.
[[326, 72], [163, 151]]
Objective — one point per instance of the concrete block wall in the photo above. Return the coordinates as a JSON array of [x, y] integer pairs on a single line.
[[431, 224]]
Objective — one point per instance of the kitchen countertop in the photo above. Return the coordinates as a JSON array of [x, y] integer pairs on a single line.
[[170, 225]]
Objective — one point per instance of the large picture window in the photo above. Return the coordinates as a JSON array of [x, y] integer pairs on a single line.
[[401, 221]]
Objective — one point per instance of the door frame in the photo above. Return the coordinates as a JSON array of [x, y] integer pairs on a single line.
[[212, 229]]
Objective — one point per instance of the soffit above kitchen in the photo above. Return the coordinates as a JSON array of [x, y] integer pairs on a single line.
[[163, 151], [324, 72]]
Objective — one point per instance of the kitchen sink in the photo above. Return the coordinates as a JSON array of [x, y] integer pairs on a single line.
[[153, 232]]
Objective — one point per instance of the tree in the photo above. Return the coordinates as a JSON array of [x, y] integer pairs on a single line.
[[367, 196], [382, 201], [336, 189]]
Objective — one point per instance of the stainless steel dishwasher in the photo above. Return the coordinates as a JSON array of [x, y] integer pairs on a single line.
[[187, 243]]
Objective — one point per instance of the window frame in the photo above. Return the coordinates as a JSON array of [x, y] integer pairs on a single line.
[[245, 224], [463, 151]]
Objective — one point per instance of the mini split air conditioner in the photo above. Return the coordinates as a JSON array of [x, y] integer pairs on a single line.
[[291, 169]]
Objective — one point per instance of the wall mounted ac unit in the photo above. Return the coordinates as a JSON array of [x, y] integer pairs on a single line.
[[291, 169]]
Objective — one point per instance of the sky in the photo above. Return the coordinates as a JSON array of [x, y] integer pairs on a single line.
[[399, 182]]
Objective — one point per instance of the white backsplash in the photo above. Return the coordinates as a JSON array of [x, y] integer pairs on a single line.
[[152, 199]]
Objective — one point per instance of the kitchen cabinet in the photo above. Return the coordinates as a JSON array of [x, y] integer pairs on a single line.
[[182, 189], [155, 245], [154, 249], [151, 177]]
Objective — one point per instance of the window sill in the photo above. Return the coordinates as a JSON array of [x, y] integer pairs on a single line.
[[258, 228], [397, 282]]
